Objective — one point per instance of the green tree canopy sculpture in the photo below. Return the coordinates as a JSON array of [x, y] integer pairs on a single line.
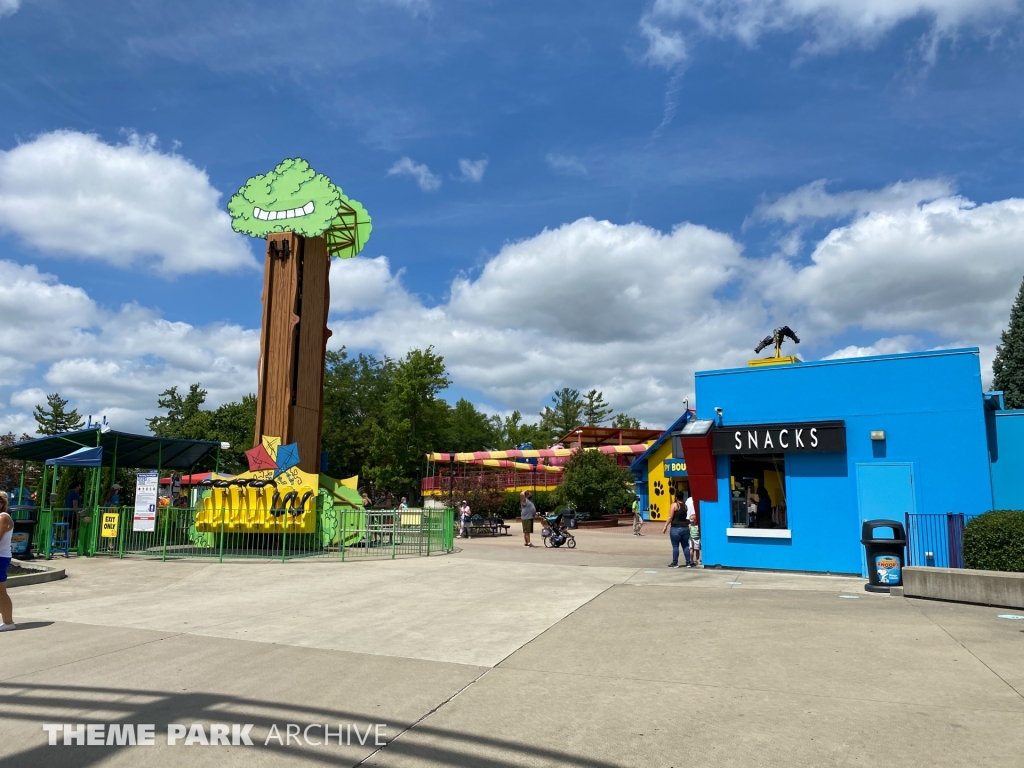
[[295, 198]]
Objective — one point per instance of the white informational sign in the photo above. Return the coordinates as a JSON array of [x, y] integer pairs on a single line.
[[146, 485]]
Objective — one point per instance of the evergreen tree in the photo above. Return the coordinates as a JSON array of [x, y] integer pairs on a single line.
[[55, 418], [565, 412], [595, 410], [622, 421], [1008, 365]]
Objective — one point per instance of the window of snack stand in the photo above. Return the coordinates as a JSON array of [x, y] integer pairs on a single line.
[[757, 485]]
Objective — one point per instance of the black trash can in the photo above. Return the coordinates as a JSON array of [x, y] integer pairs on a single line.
[[21, 539], [885, 556]]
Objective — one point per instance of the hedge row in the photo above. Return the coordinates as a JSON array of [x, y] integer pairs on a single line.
[[994, 541]]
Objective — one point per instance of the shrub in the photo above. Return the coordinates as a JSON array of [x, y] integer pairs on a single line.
[[994, 541], [595, 485], [545, 501]]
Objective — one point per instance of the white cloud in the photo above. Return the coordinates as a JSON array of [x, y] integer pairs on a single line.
[[406, 167], [110, 362], [887, 346], [949, 266], [829, 25], [7, 7], [635, 311], [359, 285], [473, 170], [813, 201], [626, 308], [70, 194], [567, 164], [664, 49]]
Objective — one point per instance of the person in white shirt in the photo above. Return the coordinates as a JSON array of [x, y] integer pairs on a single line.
[[6, 530]]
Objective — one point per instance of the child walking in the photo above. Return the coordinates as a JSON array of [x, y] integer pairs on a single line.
[[694, 543]]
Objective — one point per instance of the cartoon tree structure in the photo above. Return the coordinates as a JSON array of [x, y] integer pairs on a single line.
[[306, 220]]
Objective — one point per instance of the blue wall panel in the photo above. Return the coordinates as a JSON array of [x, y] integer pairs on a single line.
[[1008, 459], [929, 404]]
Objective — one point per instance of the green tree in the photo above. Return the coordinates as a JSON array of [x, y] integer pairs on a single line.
[[355, 390], [1008, 365], [512, 432], [413, 420], [622, 421], [595, 485], [565, 412], [468, 429], [595, 410], [233, 423], [185, 417], [55, 417]]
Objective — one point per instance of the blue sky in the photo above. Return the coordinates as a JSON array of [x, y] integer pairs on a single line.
[[719, 113]]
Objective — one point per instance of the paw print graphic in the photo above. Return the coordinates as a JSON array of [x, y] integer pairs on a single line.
[[659, 488], [654, 511]]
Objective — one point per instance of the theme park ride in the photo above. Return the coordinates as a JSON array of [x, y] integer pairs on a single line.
[[528, 468], [284, 505], [306, 221]]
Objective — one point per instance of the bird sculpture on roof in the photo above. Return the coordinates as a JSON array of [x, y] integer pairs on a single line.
[[777, 336]]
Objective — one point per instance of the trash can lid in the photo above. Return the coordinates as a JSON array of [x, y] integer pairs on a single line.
[[868, 528]]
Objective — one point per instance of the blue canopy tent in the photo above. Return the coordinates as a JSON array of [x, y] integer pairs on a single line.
[[83, 457]]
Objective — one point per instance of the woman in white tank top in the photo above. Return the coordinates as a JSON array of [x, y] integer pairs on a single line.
[[6, 529]]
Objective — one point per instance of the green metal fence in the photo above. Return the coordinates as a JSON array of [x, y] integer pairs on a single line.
[[344, 534]]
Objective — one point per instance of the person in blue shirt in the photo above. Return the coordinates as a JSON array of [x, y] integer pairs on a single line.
[[73, 498]]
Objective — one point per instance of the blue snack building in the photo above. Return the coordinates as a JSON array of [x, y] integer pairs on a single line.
[[837, 442]]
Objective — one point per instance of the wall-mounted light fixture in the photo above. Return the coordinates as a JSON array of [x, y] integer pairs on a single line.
[[718, 412], [878, 434]]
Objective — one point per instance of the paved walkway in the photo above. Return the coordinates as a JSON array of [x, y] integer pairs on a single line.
[[501, 656]]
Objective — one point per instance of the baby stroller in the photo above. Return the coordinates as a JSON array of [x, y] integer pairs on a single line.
[[555, 534]]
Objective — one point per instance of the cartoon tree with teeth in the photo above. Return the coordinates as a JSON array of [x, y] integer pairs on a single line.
[[295, 198], [305, 219]]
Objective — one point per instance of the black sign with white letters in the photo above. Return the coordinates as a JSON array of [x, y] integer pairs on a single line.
[[804, 437]]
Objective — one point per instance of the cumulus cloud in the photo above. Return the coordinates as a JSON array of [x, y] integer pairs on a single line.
[[635, 311], [567, 164], [359, 285], [948, 266], [473, 170], [427, 181], [626, 308], [623, 307], [108, 362], [887, 346], [7, 7], [828, 25], [70, 194]]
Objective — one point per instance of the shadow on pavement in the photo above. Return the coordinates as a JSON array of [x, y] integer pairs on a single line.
[[49, 703]]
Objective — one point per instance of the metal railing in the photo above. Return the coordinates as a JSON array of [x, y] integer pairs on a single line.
[[937, 539], [226, 533], [540, 481]]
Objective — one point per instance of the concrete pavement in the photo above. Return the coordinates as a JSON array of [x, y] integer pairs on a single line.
[[500, 655]]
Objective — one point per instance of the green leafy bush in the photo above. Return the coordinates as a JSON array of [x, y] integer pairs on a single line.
[[994, 541]]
